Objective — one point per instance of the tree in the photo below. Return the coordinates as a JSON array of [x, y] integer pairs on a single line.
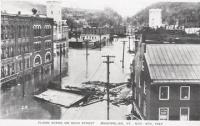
[[34, 11]]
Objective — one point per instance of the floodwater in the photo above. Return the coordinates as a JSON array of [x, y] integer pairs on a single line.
[[16, 106], [83, 69]]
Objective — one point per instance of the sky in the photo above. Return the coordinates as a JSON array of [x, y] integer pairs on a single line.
[[123, 7]]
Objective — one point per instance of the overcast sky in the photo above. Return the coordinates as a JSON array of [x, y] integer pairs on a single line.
[[123, 7]]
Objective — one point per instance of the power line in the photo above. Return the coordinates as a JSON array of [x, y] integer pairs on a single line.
[[96, 70]]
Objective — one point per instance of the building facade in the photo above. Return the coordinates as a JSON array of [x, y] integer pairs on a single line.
[[27, 48], [96, 36], [60, 35], [168, 85], [155, 18]]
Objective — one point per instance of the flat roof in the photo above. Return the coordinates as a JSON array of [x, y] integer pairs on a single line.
[[26, 15]]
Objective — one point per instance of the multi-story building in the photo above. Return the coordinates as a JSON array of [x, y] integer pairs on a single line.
[[60, 35], [167, 84], [27, 48], [96, 36], [155, 18]]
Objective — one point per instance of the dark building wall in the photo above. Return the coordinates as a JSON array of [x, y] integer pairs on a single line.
[[174, 103]]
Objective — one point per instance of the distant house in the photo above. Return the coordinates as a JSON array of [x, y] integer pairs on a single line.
[[168, 87], [194, 30]]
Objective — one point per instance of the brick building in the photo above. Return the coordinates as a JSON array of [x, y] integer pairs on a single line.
[[26, 48], [167, 86]]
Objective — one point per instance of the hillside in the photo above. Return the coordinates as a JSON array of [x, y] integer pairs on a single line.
[[23, 6], [187, 13], [97, 17]]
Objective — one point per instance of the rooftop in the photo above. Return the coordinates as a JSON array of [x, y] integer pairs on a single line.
[[26, 15], [173, 63]]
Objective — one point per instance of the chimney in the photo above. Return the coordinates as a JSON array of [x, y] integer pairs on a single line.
[[19, 12]]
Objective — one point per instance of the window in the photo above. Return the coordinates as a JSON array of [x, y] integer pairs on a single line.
[[163, 113], [47, 29], [8, 66], [139, 100], [37, 30], [6, 32], [37, 46], [12, 32], [139, 82], [144, 87], [37, 60], [3, 71], [184, 113], [13, 68], [3, 54], [27, 62], [20, 65], [164, 93], [185, 93], [135, 93], [19, 31], [144, 109], [2, 32], [48, 57]]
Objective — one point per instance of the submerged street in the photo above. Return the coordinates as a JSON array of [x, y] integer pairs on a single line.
[[15, 106]]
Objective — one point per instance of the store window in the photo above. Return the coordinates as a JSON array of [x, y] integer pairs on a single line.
[[164, 93]]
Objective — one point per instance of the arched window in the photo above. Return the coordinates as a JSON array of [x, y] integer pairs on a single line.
[[37, 60], [47, 57]]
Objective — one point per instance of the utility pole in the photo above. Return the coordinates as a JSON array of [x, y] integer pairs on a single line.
[[60, 64], [86, 43], [23, 77], [100, 38], [108, 81], [129, 44], [123, 54]]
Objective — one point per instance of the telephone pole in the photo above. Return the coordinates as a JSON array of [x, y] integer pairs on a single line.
[[23, 77], [100, 38], [100, 41], [86, 44], [60, 64], [123, 54], [108, 81], [129, 44]]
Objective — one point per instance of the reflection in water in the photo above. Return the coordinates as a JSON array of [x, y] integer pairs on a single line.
[[15, 105]]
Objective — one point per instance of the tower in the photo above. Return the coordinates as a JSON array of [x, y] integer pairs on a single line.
[[155, 18], [54, 11]]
